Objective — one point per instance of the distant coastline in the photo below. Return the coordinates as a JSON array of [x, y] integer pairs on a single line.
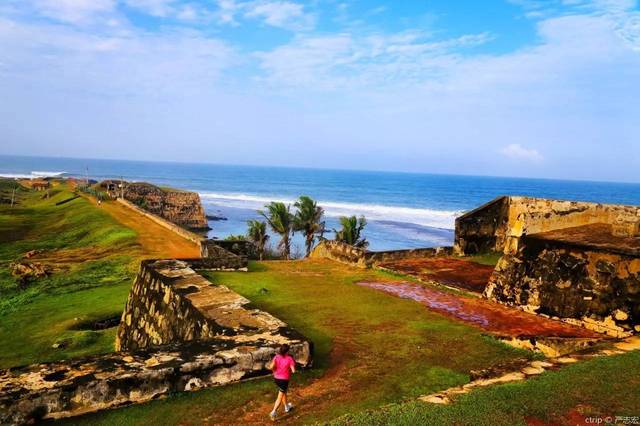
[[404, 210]]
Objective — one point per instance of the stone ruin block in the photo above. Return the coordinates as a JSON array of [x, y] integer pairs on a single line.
[[179, 332]]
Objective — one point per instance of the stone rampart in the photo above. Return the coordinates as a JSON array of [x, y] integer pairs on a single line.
[[340, 252], [499, 224], [170, 302], [583, 275], [180, 207], [71, 388], [344, 253], [238, 247], [179, 332]]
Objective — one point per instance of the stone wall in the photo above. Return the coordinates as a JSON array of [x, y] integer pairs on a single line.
[[483, 229], [584, 275], [75, 387], [180, 207], [239, 247], [215, 257], [499, 224], [340, 252], [179, 332], [170, 302], [344, 253]]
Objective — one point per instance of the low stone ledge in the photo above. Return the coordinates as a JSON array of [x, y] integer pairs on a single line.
[[70, 388], [362, 258]]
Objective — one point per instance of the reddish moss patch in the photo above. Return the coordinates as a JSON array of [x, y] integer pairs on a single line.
[[481, 313], [444, 270]]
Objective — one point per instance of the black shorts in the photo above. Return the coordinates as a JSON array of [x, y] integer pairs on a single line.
[[283, 385]]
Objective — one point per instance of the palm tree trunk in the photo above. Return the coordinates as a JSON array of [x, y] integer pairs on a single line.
[[309, 243]]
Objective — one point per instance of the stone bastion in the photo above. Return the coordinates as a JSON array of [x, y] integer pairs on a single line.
[[179, 332]]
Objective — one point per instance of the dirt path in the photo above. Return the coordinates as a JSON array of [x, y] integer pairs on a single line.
[[156, 241]]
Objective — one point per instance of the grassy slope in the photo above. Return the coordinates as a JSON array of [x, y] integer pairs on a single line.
[[371, 349], [608, 386], [92, 281]]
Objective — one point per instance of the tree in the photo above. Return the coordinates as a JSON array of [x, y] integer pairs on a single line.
[[308, 220], [257, 234], [351, 230], [280, 220]]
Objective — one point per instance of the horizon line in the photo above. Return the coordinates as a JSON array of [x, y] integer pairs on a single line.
[[390, 171]]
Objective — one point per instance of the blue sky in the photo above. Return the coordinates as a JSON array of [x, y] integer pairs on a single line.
[[541, 88]]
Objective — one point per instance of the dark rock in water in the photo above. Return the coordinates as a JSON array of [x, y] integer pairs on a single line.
[[215, 218]]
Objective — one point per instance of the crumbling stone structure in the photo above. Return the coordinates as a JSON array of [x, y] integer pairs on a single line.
[[576, 261], [226, 255], [344, 253], [179, 332], [170, 302], [585, 275], [180, 207], [499, 224]]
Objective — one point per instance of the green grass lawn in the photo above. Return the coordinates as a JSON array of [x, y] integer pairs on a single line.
[[374, 354], [607, 386], [95, 262], [370, 349]]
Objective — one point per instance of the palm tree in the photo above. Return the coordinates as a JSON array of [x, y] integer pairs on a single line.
[[257, 234], [351, 230], [308, 220], [280, 220]]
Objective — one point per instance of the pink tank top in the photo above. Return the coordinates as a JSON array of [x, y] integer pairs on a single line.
[[282, 366]]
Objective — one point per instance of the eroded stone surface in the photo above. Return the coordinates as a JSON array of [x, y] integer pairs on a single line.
[[170, 302], [584, 275], [179, 332], [75, 387]]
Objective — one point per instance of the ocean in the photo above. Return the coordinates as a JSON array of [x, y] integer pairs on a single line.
[[403, 210]]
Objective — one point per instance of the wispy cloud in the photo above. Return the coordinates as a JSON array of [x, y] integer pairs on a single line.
[[93, 73], [280, 14], [347, 60], [516, 151], [74, 11]]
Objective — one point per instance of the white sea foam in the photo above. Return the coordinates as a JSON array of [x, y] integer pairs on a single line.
[[33, 175], [426, 217]]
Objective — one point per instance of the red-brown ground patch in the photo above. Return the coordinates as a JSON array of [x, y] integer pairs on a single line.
[[481, 313], [444, 270]]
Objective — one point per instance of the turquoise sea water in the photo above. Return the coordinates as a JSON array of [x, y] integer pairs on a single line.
[[403, 209]]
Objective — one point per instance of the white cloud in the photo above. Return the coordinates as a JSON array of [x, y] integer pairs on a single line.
[[343, 61], [74, 11], [280, 14], [516, 151]]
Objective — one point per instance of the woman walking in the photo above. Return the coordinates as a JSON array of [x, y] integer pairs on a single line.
[[282, 365]]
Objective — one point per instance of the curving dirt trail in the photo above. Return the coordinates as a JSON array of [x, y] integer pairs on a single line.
[[156, 241]]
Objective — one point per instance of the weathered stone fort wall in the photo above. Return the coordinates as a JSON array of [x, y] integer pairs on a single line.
[[225, 255], [344, 253], [179, 332], [586, 283], [170, 302], [499, 224], [180, 207]]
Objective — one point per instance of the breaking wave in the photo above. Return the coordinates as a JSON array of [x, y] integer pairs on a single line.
[[33, 175], [425, 217]]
